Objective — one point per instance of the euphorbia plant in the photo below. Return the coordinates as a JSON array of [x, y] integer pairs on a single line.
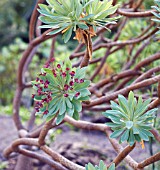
[[130, 121], [60, 89], [76, 15], [101, 166], [80, 16]]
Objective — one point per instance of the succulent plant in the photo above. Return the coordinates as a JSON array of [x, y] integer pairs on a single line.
[[130, 121], [101, 166], [60, 89], [157, 14], [76, 15]]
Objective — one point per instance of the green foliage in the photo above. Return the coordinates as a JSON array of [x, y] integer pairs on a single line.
[[8, 110], [101, 166], [129, 120], [67, 16], [14, 15], [157, 15], [132, 31], [60, 89], [9, 57]]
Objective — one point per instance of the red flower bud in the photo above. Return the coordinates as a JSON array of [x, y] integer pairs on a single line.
[[41, 81], [47, 82], [37, 79], [66, 95], [64, 74], [66, 87], [52, 59], [71, 83], [76, 80], [37, 109], [77, 94], [45, 112], [81, 81], [44, 74], [72, 73], [58, 66], [46, 86]]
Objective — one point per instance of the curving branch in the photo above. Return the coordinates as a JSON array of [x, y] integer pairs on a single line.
[[149, 161], [34, 17], [123, 91], [15, 145], [129, 13], [62, 160], [45, 130], [118, 148], [123, 154], [42, 158]]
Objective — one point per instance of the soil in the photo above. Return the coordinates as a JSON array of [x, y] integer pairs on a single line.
[[78, 146]]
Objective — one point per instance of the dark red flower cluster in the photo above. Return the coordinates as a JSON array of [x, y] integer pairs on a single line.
[[41, 84], [71, 84], [45, 92]]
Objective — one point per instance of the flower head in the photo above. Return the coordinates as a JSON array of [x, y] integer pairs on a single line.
[[130, 121], [78, 16], [58, 90]]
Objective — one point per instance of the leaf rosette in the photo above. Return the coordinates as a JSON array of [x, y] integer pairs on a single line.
[[67, 16], [101, 166], [60, 89], [130, 119]]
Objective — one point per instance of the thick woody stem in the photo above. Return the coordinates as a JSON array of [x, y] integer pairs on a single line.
[[14, 146], [16, 105], [114, 78], [149, 161], [33, 20], [156, 134], [158, 89], [52, 48], [123, 91], [147, 74], [123, 154], [128, 13], [45, 130], [42, 158], [62, 160], [118, 148]]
